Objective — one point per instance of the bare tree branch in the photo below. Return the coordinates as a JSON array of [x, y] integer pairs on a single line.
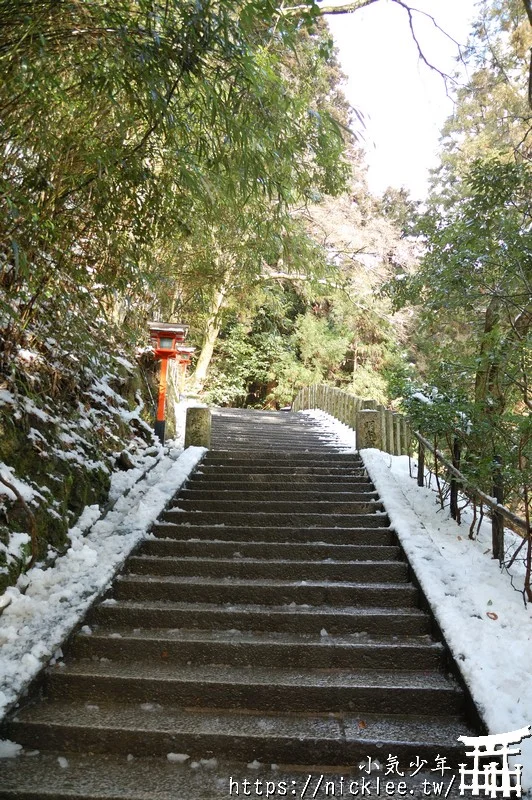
[[348, 8], [356, 5], [410, 11]]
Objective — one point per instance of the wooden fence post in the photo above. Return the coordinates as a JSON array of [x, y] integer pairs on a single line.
[[390, 433], [421, 464], [382, 423], [397, 432], [497, 520], [404, 436], [352, 413], [453, 500], [408, 434], [343, 414], [336, 413]]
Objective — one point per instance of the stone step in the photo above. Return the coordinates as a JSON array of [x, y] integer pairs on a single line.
[[236, 648], [292, 427], [284, 441], [292, 507], [264, 592], [281, 738], [259, 421], [246, 495], [295, 479], [264, 450], [261, 689], [262, 483], [289, 618], [281, 519], [271, 452], [268, 449], [287, 459], [287, 442], [283, 437], [113, 777], [193, 531], [269, 620], [288, 551], [343, 473], [365, 571], [288, 428]]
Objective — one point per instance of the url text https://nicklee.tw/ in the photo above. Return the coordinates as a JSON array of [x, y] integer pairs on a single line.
[[318, 786]]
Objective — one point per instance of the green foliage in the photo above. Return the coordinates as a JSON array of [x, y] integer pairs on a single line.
[[474, 327], [125, 125], [321, 344], [471, 333], [287, 335], [244, 357], [492, 117], [397, 206]]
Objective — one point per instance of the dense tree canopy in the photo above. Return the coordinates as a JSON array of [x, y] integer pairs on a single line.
[[125, 124], [472, 332]]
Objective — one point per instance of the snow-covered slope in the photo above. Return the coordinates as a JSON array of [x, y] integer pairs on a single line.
[[68, 409]]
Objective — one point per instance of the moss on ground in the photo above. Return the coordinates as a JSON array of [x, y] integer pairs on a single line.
[[61, 428]]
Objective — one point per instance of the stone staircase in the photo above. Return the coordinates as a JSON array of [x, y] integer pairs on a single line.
[[269, 620]]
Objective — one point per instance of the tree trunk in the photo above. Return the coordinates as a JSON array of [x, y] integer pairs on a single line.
[[488, 377], [487, 380], [211, 335]]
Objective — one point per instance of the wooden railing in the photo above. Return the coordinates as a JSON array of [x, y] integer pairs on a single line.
[[375, 425], [391, 432], [499, 512]]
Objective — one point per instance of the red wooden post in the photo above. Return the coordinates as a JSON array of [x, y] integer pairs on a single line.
[[160, 422], [166, 335]]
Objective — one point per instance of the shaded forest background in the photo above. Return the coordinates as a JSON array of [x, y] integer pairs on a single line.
[[198, 162]]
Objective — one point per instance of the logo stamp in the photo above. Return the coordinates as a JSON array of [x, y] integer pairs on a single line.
[[496, 778]]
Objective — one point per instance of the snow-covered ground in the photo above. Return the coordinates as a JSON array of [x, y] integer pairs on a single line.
[[46, 604], [482, 616]]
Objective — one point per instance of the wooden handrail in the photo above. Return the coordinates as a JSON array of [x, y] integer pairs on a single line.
[[489, 501], [319, 396]]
